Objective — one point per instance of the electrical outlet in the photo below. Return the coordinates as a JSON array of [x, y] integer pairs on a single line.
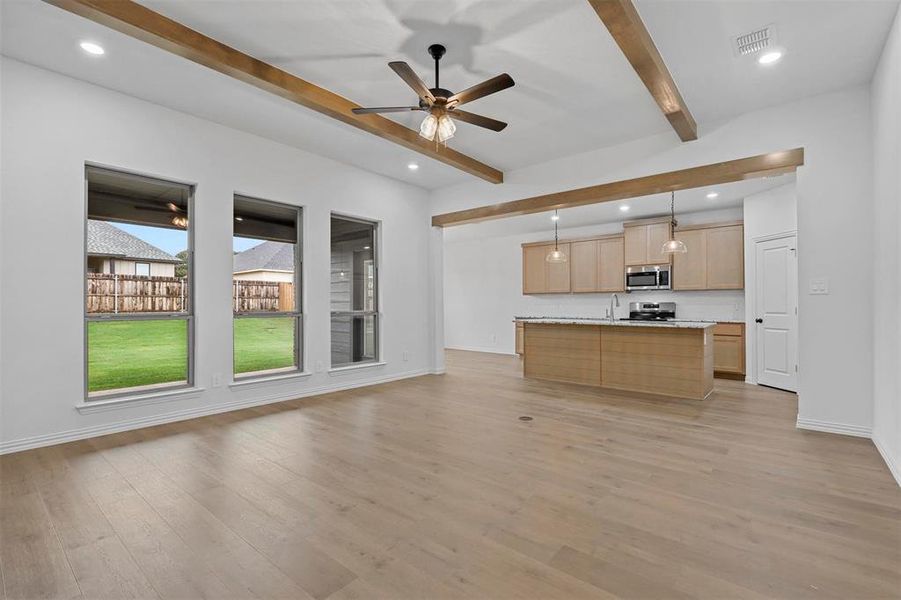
[[217, 380], [319, 366], [406, 355], [818, 286]]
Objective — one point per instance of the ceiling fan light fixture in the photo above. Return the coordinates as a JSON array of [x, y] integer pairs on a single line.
[[428, 127], [446, 128], [179, 221]]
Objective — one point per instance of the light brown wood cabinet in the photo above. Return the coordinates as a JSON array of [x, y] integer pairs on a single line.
[[611, 268], [729, 350], [715, 259], [518, 338], [643, 242], [542, 277], [597, 265], [593, 265], [584, 268]]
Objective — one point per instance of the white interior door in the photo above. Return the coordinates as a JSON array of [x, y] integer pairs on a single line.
[[776, 321]]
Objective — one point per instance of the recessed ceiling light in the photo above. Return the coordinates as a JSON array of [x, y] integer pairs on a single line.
[[769, 58], [624, 207], [239, 218], [713, 195], [365, 247], [555, 217], [412, 166], [92, 48]]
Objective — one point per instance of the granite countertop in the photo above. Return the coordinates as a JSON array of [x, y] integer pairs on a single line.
[[675, 323]]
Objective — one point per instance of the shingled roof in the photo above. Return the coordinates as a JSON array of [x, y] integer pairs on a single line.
[[105, 239], [268, 256]]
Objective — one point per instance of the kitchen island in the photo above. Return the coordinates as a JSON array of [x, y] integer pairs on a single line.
[[670, 358]]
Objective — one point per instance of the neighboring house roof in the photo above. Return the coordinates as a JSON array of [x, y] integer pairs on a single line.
[[268, 256], [105, 239]]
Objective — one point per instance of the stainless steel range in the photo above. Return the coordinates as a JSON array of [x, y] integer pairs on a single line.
[[651, 311]]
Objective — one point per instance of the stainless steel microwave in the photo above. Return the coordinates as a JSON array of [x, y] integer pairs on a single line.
[[655, 277]]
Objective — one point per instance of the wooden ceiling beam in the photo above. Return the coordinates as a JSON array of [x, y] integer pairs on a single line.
[[753, 167], [628, 30], [139, 22]]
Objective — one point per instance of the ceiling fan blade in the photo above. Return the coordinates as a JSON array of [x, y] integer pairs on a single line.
[[474, 119], [384, 109], [480, 90], [412, 80]]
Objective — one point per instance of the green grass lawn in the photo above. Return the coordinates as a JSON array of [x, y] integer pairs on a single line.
[[134, 353]]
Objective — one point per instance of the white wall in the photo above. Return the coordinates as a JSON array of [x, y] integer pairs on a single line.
[[483, 289], [771, 212], [52, 125], [886, 97], [835, 201]]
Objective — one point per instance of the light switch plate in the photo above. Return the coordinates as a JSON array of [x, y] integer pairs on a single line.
[[818, 286]]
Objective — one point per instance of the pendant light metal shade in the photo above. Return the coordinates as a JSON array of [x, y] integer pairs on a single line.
[[556, 255], [672, 245]]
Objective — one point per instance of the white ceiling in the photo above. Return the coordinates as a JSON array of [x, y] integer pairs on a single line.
[[574, 91], [731, 195]]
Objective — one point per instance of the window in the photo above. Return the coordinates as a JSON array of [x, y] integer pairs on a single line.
[[266, 288], [138, 330], [354, 292]]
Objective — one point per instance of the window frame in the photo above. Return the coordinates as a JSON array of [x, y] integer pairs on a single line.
[[376, 295], [299, 293], [186, 315], [143, 263]]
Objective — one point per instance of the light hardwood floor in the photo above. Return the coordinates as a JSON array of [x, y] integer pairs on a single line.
[[433, 488]]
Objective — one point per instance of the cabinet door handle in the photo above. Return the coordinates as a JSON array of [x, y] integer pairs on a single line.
[[758, 320]]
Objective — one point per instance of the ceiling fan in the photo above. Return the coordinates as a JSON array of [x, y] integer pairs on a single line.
[[442, 104], [179, 216]]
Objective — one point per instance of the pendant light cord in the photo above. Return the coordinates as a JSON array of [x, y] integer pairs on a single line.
[[672, 208], [555, 231]]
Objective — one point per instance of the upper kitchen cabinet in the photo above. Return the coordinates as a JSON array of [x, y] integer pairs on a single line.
[[611, 269], [726, 258], [714, 260], [541, 277], [597, 265], [643, 242], [584, 266]]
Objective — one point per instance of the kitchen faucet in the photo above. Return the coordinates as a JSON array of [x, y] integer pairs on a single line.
[[614, 299]]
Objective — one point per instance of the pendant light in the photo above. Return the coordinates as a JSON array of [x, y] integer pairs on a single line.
[[672, 245], [556, 255]]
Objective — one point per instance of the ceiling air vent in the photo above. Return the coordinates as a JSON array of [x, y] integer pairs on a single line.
[[756, 41]]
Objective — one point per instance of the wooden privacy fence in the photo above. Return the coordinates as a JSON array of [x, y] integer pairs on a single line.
[[140, 294], [262, 296]]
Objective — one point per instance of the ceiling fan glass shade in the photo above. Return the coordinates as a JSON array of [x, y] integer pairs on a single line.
[[556, 256], [674, 246], [446, 128], [429, 127]]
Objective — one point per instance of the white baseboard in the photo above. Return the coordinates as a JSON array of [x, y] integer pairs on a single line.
[[893, 467], [73, 435], [480, 349], [829, 427]]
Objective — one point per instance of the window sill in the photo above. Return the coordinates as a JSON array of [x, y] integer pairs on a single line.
[[93, 406], [252, 381], [345, 369]]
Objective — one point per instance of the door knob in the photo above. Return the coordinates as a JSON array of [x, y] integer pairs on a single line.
[[758, 320]]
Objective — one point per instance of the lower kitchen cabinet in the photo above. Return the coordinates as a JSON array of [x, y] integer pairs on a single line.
[[519, 337], [729, 350]]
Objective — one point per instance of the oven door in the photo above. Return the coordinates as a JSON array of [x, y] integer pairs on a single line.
[[643, 279]]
